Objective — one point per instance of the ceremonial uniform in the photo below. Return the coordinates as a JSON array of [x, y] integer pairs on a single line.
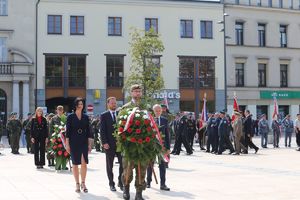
[[191, 131], [26, 127], [288, 130], [14, 127], [223, 136], [209, 132], [95, 128], [276, 133], [263, 129], [215, 136]]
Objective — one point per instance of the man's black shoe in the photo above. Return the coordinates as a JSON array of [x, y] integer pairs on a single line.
[[203, 149], [165, 188], [207, 151], [148, 185], [139, 196], [121, 186], [112, 188], [126, 194], [231, 152], [235, 153], [298, 149], [256, 150], [190, 153]]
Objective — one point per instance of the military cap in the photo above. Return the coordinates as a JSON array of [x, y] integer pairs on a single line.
[[28, 114], [51, 115], [222, 112], [163, 106]]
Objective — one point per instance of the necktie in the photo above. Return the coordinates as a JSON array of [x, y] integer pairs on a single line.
[[157, 121], [114, 116]]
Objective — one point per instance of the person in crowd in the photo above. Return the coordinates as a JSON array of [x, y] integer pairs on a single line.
[[191, 130], [276, 132], [215, 136], [14, 128], [50, 157], [209, 132], [202, 131], [263, 129], [288, 130], [39, 137], [237, 126], [79, 141], [26, 126], [297, 131], [108, 121], [248, 132], [223, 135], [162, 123], [96, 123]]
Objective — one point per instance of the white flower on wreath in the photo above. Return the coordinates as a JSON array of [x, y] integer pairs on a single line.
[[55, 125], [145, 117], [60, 127], [120, 122], [125, 116], [62, 123], [121, 116], [137, 115]]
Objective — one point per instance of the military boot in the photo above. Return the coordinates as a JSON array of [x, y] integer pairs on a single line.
[[126, 194], [139, 196]]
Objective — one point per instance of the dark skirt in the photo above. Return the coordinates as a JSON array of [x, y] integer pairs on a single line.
[[79, 149]]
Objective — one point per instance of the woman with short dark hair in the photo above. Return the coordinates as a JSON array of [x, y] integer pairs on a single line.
[[79, 141]]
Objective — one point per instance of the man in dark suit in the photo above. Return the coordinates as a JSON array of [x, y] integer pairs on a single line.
[[248, 131], [223, 134], [162, 123], [108, 120]]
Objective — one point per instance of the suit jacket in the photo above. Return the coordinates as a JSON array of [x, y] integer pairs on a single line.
[[248, 126], [39, 131], [107, 129], [223, 127], [163, 128]]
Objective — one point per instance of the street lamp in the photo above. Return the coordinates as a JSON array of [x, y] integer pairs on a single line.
[[225, 69]]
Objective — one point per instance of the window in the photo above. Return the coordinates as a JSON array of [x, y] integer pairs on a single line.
[[239, 74], [54, 71], [77, 25], [76, 67], [206, 29], [3, 50], [280, 4], [237, 1], [258, 2], [283, 35], [261, 110], [283, 75], [186, 73], [262, 75], [54, 24], [3, 7], [262, 35], [270, 3], [291, 5], [186, 28], [151, 23], [283, 111], [114, 70], [115, 26], [239, 32]]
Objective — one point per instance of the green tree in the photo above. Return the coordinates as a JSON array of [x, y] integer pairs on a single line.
[[145, 68]]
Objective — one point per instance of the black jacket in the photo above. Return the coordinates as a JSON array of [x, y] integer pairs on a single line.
[[107, 129], [248, 126], [163, 128], [39, 131]]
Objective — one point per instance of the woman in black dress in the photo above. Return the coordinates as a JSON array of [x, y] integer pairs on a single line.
[[79, 141], [39, 137]]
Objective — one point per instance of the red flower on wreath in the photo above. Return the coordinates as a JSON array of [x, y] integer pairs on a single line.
[[132, 140], [60, 146], [53, 140], [137, 123], [59, 153], [123, 122], [123, 136], [146, 122], [140, 141], [121, 129], [54, 147], [129, 130], [149, 129], [59, 140], [147, 139], [66, 154], [153, 135], [138, 131]]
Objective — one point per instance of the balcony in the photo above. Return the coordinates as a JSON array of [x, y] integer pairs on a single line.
[[6, 68], [193, 83], [70, 81]]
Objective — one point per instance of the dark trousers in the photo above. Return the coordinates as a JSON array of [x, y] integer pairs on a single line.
[[209, 142], [215, 142], [264, 139], [39, 152], [288, 136], [224, 141], [298, 138], [110, 155], [182, 140], [249, 143], [162, 173], [191, 136], [276, 135]]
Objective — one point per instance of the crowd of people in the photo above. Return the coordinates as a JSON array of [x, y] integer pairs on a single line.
[[219, 133]]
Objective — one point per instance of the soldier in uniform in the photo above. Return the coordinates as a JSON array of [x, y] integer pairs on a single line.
[[209, 131], [215, 136], [263, 129], [95, 128], [26, 127], [191, 130], [136, 95], [223, 135], [14, 126]]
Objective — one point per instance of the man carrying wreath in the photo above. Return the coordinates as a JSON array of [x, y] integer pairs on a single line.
[[136, 95]]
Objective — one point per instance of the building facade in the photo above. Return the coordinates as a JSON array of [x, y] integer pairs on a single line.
[[263, 55], [17, 57], [83, 50]]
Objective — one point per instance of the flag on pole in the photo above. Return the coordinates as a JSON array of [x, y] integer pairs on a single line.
[[203, 113], [235, 106], [275, 112]]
